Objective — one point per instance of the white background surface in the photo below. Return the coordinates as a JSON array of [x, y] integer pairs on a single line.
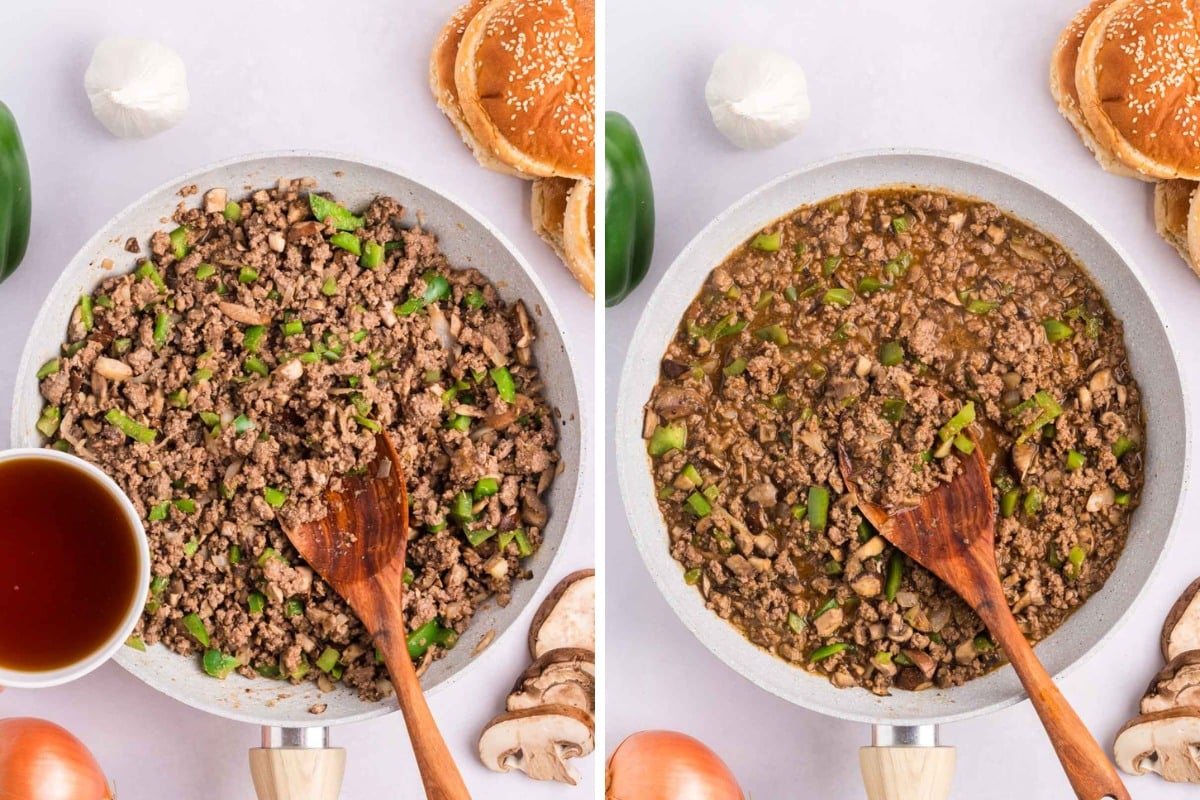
[[348, 76], [960, 76]]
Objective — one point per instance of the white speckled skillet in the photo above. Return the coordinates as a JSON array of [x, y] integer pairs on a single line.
[[907, 717], [468, 241]]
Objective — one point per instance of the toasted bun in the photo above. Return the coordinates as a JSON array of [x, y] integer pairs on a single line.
[[548, 208], [1193, 232], [441, 82], [1137, 76], [526, 79], [563, 214], [1172, 205], [1062, 86], [579, 233]]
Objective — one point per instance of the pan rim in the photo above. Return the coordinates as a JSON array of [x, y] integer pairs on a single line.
[[577, 413], [632, 466]]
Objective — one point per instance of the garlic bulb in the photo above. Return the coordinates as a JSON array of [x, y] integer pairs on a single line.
[[757, 98], [137, 88]]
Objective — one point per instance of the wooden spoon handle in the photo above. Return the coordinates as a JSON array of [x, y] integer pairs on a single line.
[[1091, 774], [439, 773], [433, 759]]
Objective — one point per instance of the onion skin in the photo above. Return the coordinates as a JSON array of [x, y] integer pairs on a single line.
[[42, 761], [665, 765]]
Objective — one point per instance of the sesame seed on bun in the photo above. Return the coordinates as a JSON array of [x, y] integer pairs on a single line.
[[526, 79], [1062, 86], [1138, 78], [441, 82]]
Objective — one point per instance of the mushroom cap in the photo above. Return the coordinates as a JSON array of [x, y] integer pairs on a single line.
[[1165, 742], [1177, 685], [538, 742], [1181, 630], [567, 617], [566, 676]]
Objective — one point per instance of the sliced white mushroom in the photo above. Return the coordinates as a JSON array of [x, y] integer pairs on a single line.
[[538, 742], [242, 314], [1176, 686], [214, 200], [564, 677], [290, 371], [113, 369], [441, 327], [1165, 742], [567, 617], [1181, 630]]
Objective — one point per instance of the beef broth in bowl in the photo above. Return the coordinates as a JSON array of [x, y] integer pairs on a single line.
[[889, 322], [74, 567]]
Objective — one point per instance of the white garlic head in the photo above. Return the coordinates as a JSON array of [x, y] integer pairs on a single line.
[[137, 88], [757, 98]]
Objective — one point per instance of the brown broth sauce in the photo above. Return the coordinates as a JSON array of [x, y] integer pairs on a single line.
[[68, 565], [1020, 279]]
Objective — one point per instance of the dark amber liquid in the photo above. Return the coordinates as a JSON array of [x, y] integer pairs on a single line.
[[68, 565]]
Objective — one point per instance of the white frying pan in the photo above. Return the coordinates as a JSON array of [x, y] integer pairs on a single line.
[[467, 241], [908, 720]]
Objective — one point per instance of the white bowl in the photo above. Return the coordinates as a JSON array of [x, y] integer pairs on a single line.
[[20, 679]]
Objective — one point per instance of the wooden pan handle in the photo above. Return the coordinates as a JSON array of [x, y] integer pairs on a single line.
[[1091, 774], [297, 773], [907, 773], [439, 773]]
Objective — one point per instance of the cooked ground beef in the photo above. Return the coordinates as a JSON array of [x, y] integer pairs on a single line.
[[243, 368], [883, 321]]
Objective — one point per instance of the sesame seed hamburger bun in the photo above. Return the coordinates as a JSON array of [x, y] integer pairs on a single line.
[[1172, 208], [1062, 86], [563, 214], [526, 79], [1138, 78], [579, 234], [548, 208], [445, 91]]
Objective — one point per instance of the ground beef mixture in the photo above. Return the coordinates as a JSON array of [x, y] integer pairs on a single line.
[[244, 368], [904, 325]]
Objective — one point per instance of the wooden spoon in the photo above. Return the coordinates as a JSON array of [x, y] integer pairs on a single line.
[[952, 534], [358, 548]]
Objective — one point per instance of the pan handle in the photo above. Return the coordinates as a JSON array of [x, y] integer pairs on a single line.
[[906, 763], [297, 764]]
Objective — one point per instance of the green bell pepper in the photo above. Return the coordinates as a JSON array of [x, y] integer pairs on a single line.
[[628, 210], [15, 206]]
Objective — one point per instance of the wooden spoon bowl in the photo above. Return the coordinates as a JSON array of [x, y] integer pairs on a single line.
[[358, 547], [952, 534]]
